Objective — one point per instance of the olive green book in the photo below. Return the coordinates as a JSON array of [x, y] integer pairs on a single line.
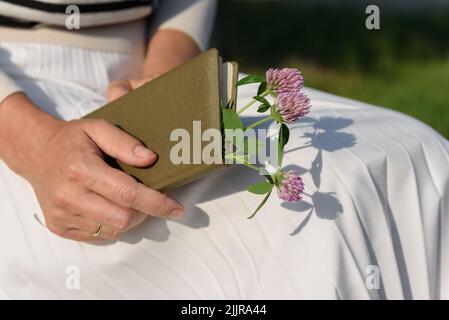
[[192, 92]]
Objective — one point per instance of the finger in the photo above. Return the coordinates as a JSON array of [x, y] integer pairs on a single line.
[[122, 189], [94, 207], [136, 83], [77, 227], [102, 211], [79, 235], [139, 218], [118, 144], [71, 234], [63, 221], [89, 228], [118, 89], [157, 204]]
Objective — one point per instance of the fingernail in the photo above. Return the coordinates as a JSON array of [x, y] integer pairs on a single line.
[[143, 152], [176, 213]]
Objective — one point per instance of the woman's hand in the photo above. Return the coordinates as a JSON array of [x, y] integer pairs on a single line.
[[76, 189], [119, 88], [167, 49]]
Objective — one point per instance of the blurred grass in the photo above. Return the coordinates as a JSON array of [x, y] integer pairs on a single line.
[[403, 66]]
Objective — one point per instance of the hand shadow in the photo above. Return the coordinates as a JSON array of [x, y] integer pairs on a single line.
[[156, 229], [200, 191]]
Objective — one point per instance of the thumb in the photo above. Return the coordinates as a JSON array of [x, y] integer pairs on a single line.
[[117, 89], [136, 83], [118, 144]]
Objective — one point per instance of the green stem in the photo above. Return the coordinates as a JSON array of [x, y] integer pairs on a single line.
[[307, 194], [280, 155], [242, 161], [251, 166], [252, 102], [258, 123], [261, 204]]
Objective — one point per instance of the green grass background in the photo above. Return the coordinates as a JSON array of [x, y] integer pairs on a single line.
[[403, 66]]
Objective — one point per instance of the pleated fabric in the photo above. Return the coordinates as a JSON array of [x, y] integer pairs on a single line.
[[373, 224]]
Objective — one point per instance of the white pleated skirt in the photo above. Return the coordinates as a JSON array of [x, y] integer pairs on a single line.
[[374, 223]]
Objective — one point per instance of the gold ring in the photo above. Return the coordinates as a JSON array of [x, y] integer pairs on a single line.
[[97, 233]]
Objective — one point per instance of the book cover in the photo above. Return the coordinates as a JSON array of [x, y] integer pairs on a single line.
[[187, 98]]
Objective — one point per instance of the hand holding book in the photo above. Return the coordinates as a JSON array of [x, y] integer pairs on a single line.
[[174, 114]]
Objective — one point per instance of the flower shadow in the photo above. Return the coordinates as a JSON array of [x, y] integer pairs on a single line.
[[327, 136]]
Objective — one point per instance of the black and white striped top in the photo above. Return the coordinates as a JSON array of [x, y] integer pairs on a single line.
[[30, 13]]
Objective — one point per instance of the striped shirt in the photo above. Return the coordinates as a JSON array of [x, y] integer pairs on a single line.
[[31, 13]]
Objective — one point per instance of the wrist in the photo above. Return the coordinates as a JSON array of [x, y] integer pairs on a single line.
[[167, 49], [24, 131], [33, 147]]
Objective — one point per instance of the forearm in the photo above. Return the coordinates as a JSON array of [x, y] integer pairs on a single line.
[[23, 130], [167, 49]]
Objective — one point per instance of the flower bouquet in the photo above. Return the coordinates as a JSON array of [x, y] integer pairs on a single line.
[[280, 99]]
